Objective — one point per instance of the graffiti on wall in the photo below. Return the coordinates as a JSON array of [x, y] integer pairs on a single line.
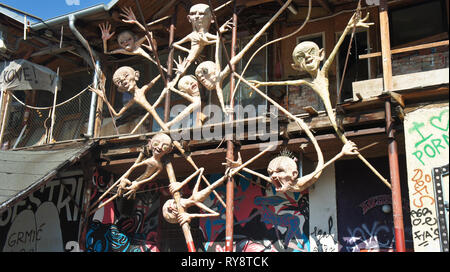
[[264, 221], [427, 145], [365, 219], [46, 221], [123, 225]]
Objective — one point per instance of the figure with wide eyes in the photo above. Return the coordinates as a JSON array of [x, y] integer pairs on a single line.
[[127, 40], [170, 209], [189, 89], [211, 75], [125, 78], [283, 171], [307, 57], [200, 17], [159, 145]]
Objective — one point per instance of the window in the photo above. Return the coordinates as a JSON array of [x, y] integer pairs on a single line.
[[417, 22], [257, 70], [357, 69]]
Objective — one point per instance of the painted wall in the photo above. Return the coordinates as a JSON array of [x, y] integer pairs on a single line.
[[46, 221], [323, 214], [264, 221], [363, 222], [427, 149]]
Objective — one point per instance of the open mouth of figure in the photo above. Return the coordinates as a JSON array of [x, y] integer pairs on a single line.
[[279, 187]]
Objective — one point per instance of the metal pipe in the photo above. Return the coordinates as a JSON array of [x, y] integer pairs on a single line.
[[392, 146], [95, 59], [229, 225], [93, 107], [395, 182], [173, 22]]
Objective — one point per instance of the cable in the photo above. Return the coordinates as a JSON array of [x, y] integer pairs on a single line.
[[48, 108]]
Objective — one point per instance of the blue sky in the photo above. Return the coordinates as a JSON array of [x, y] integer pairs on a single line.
[[47, 9]]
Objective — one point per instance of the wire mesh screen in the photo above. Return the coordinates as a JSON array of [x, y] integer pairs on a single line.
[[29, 120]]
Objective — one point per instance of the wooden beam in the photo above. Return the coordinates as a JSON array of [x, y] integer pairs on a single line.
[[407, 49], [325, 5], [386, 47]]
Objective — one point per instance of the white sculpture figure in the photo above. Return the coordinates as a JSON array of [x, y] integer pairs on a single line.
[[159, 145], [170, 210], [211, 75], [125, 78], [200, 17], [189, 89], [307, 57], [127, 40], [283, 171]]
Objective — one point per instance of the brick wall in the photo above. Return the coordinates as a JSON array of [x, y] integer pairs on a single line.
[[419, 62]]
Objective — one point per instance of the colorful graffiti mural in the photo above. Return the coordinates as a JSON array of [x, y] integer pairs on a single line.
[[46, 221], [264, 221]]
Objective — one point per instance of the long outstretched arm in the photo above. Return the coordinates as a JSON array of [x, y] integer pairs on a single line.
[[280, 83], [355, 21], [113, 111], [175, 187], [258, 35], [136, 184], [151, 83], [304, 182]]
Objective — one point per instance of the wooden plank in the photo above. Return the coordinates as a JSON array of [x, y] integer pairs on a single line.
[[386, 49], [407, 49]]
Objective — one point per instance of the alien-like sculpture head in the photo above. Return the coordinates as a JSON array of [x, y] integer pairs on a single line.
[[283, 173], [125, 78], [188, 84], [160, 145], [200, 17], [206, 73], [169, 211], [127, 40], [307, 57]]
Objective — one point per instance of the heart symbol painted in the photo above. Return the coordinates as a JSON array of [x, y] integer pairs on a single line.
[[437, 122]]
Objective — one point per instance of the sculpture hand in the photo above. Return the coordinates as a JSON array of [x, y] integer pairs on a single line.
[[128, 15], [230, 164], [255, 83], [228, 25], [100, 93], [180, 65], [184, 218], [132, 189], [356, 21], [349, 149], [106, 29], [124, 183], [175, 187]]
